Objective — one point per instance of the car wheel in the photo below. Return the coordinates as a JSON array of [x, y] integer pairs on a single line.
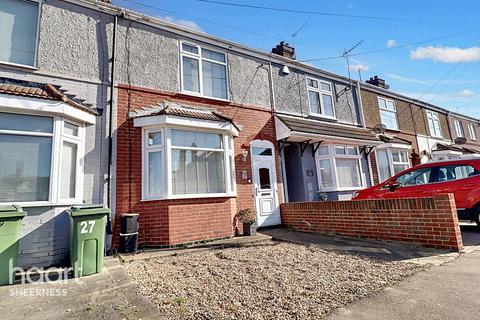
[[476, 215]]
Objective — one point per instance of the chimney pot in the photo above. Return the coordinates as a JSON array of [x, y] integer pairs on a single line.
[[285, 50], [379, 82]]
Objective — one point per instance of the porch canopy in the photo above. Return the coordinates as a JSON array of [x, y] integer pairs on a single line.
[[303, 130]]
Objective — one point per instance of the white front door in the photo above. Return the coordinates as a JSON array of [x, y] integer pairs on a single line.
[[265, 183]]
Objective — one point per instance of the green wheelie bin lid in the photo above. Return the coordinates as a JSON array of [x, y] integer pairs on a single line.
[[88, 210], [12, 211]]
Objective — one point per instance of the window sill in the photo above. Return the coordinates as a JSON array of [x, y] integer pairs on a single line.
[[43, 204], [323, 117], [342, 189], [200, 96], [17, 66], [190, 196], [394, 130]]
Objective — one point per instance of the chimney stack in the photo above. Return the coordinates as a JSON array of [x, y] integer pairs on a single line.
[[284, 50], [379, 82]]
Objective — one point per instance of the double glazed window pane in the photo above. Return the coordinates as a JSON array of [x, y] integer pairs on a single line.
[[69, 170], [214, 80], [328, 105], [191, 75], [212, 55], [389, 119], [25, 168], [314, 102], [20, 122], [383, 165], [197, 172], [155, 173], [191, 139], [348, 173], [18, 25], [325, 173]]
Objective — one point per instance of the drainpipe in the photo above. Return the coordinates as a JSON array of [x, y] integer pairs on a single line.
[[449, 122], [110, 120]]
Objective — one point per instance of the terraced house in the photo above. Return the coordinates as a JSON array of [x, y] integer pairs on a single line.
[[99, 104], [53, 119], [321, 133], [412, 131]]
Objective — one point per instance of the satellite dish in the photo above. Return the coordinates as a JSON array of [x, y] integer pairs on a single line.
[[460, 140], [379, 128]]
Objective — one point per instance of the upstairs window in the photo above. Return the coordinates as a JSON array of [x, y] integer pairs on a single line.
[[19, 27], [388, 113], [320, 97], [459, 129], [204, 71], [473, 131], [434, 124]]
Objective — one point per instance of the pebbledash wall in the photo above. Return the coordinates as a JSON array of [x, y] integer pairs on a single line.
[[81, 68], [429, 222], [183, 221]]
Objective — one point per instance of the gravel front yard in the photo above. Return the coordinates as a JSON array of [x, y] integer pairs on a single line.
[[268, 281]]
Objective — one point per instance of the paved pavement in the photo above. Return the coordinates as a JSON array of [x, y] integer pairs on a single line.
[[450, 291], [108, 295]]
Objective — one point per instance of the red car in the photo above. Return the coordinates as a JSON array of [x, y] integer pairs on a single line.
[[460, 177]]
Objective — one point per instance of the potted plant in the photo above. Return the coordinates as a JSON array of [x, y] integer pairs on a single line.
[[248, 218]]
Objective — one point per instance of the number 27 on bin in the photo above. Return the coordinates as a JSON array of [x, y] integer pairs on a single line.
[[86, 226]]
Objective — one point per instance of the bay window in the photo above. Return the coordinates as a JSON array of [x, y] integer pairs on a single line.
[[204, 71], [339, 168], [40, 159], [320, 97], [391, 161], [181, 163], [19, 25]]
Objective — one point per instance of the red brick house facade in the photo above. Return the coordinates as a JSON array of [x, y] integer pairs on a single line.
[[169, 222]]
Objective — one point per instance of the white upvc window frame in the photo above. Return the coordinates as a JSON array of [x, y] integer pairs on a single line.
[[459, 128], [394, 112], [37, 38], [200, 60], [391, 162], [58, 137], [434, 124], [166, 149], [320, 92], [332, 157], [473, 132]]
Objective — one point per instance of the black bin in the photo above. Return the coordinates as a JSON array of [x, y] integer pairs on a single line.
[[129, 233]]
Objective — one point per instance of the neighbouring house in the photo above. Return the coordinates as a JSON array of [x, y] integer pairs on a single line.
[[53, 119], [465, 132], [323, 143], [411, 130]]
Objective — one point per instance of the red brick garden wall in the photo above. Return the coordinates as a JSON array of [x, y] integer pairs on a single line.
[[429, 222], [181, 221]]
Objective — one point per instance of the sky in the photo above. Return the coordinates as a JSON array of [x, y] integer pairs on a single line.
[[429, 50]]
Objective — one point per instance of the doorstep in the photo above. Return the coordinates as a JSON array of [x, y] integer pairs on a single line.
[[216, 244]]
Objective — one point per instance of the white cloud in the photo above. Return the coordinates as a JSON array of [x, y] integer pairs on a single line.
[[446, 54], [466, 93], [395, 76], [359, 67], [184, 23], [391, 43]]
